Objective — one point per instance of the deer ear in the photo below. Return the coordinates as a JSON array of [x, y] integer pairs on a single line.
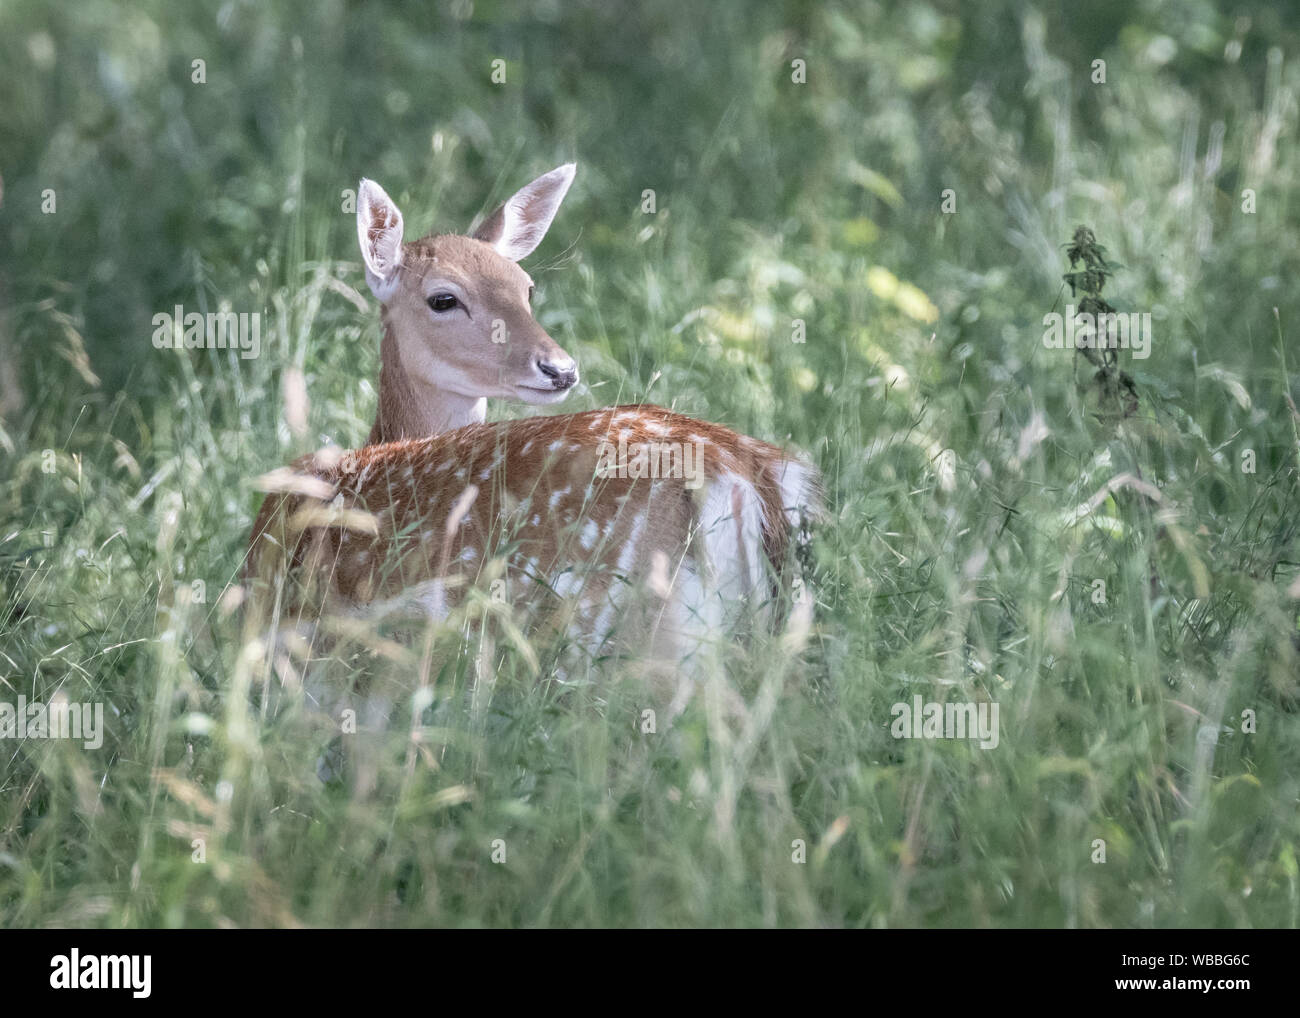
[[379, 231], [518, 226]]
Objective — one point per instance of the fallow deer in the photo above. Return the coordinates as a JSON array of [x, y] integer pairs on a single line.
[[657, 555]]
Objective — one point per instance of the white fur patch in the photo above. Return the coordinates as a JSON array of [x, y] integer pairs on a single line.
[[733, 541], [628, 554], [798, 485], [567, 584], [427, 600]]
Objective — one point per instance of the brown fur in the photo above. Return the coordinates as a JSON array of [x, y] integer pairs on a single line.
[[411, 487]]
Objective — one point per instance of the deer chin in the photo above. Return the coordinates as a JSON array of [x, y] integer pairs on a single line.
[[540, 397]]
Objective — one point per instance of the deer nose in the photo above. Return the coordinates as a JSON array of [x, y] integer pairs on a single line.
[[562, 373]]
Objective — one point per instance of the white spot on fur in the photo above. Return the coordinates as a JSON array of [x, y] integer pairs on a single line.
[[601, 630], [422, 600], [629, 551], [566, 584]]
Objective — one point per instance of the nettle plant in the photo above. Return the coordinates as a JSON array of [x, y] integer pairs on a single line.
[[1089, 271]]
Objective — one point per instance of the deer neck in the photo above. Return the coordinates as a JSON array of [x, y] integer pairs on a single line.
[[411, 409]]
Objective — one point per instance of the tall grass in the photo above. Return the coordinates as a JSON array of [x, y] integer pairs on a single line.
[[978, 489]]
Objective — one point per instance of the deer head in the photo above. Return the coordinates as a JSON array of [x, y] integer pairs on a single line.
[[458, 326]]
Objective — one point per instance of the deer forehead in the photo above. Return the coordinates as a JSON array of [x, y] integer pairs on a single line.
[[472, 263]]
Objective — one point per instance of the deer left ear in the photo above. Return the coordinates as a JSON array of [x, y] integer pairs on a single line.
[[518, 226], [379, 232]]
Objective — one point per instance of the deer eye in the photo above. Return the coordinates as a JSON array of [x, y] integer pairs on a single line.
[[443, 302], [531, 291]]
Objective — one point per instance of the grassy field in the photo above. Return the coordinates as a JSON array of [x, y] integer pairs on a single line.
[[1118, 570]]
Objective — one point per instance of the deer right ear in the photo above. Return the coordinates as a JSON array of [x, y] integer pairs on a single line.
[[518, 226], [379, 231]]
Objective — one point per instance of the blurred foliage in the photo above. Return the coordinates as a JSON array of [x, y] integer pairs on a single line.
[[977, 492]]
